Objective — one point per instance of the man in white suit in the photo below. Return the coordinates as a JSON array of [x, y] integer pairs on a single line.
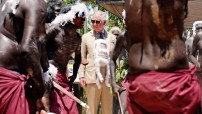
[[97, 91]]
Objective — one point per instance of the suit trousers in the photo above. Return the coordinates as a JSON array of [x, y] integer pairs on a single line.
[[96, 96]]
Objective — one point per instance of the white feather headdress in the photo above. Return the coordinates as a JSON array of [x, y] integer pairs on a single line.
[[63, 19], [194, 26]]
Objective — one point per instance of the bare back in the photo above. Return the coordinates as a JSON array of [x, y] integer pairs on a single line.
[[155, 35], [18, 30]]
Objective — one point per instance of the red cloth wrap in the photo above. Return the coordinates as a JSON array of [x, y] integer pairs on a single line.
[[154, 92], [59, 102], [16, 96]]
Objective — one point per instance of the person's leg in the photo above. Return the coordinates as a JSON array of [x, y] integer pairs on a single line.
[[93, 97], [106, 100]]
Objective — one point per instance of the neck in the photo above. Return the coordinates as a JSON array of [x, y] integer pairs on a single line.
[[99, 31]]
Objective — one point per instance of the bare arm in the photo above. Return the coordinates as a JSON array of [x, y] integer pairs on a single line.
[[119, 46], [77, 60], [43, 55], [30, 41], [77, 57], [192, 54]]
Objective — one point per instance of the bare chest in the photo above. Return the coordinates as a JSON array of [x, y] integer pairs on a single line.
[[67, 43]]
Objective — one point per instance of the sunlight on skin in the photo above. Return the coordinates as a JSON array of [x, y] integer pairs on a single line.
[[131, 2]]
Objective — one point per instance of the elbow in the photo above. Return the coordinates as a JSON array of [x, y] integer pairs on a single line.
[[27, 51]]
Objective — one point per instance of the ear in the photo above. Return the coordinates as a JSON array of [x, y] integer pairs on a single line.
[[104, 22]]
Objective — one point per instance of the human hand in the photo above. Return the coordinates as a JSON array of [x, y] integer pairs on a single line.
[[116, 88], [82, 82], [84, 61], [41, 112], [42, 104]]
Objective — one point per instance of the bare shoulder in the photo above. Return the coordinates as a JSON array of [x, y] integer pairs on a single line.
[[33, 5]]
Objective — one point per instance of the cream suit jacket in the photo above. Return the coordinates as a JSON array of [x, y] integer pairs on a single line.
[[87, 48]]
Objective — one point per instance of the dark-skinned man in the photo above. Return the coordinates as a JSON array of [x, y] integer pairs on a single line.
[[21, 26], [160, 80]]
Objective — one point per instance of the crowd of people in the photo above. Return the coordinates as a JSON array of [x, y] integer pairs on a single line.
[[38, 39]]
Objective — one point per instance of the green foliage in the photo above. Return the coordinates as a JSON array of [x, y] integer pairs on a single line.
[[121, 70], [113, 20], [66, 2]]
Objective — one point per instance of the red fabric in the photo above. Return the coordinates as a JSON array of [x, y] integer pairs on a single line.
[[199, 76], [15, 96], [153, 92], [59, 102]]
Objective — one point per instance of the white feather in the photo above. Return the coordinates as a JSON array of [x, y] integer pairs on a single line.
[[63, 19], [52, 70], [194, 27]]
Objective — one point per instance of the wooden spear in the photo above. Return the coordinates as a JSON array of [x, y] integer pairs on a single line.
[[120, 103], [70, 95]]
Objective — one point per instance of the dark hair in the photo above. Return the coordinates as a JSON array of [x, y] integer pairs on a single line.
[[50, 15], [65, 9]]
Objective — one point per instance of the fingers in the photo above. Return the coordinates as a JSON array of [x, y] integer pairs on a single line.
[[39, 104], [82, 82], [84, 61], [43, 112], [45, 102]]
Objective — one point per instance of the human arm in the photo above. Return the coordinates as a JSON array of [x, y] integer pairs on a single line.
[[29, 45], [77, 60], [82, 66], [192, 53], [42, 49], [117, 50], [118, 47]]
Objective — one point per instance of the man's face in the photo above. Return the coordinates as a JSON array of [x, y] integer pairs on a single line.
[[97, 23], [57, 8], [79, 22]]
